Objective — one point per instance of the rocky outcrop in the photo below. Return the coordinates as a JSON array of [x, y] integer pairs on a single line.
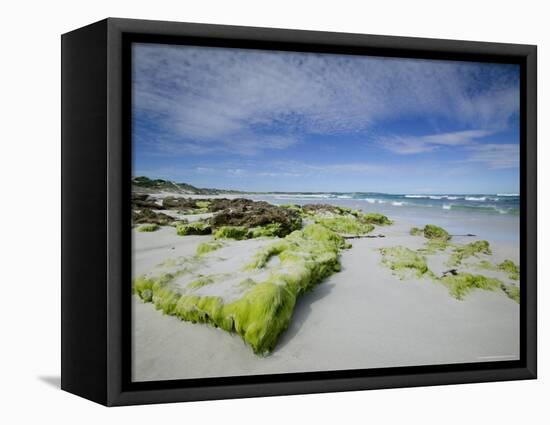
[[141, 200], [147, 215], [251, 214]]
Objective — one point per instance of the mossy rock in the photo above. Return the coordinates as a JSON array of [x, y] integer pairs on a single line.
[[254, 214], [231, 232], [149, 227], [434, 232], [375, 218], [195, 228], [265, 309], [346, 225]]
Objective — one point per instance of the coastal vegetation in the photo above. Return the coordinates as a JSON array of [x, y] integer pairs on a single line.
[[148, 227], [400, 259], [264, 309], [296, 248]]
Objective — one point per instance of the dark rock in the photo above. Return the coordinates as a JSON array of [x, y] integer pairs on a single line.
[[141, 200], [146, 215], [170, 203], [249, 214], [325, 208]]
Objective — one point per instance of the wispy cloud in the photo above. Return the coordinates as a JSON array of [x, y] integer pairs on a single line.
[[408, 145], [496, 156], [206, 100]]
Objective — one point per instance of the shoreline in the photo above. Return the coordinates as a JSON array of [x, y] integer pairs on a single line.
[[361, 317]]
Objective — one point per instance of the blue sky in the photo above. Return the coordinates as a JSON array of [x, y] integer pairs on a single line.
[[284, 121]]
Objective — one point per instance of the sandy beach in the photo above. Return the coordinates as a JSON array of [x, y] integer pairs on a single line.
[[364, 316]]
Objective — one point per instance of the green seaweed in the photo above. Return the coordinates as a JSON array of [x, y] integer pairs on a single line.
[[265, 309], [415, 231], [401, 259], [242, 232], [206, 247], [511, 268], [148, 227], [347, 225], [269, 230], [195, 228], [463, 252], [231, 232], [463, 283], [374, 218], [485, 265], [512, 291], [200, 282], [434, 232], [433, 246], [203, 204]]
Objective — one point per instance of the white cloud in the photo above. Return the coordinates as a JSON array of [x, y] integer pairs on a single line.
[[406, 145], [496, 156], [248, 101]]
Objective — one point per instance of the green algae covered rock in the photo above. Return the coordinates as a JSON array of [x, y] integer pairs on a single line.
[[434, 232], [347, 225], [148, 227], [241, 232], [195, 228], [375, 218], [267, 291], [231, 232]]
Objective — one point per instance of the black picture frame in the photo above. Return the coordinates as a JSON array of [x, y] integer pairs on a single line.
[[96, 249]]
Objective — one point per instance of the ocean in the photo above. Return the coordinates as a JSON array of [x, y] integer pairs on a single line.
[[489, 216]]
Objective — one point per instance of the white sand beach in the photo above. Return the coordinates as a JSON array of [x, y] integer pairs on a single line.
[[361, 317]]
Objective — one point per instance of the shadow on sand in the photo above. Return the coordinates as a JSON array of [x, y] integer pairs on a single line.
[[302, 310]]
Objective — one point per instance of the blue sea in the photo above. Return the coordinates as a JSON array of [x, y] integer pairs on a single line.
[[500, 203], [491, 216]]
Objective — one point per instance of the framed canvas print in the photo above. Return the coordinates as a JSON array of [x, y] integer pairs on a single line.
[[252, 212]]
